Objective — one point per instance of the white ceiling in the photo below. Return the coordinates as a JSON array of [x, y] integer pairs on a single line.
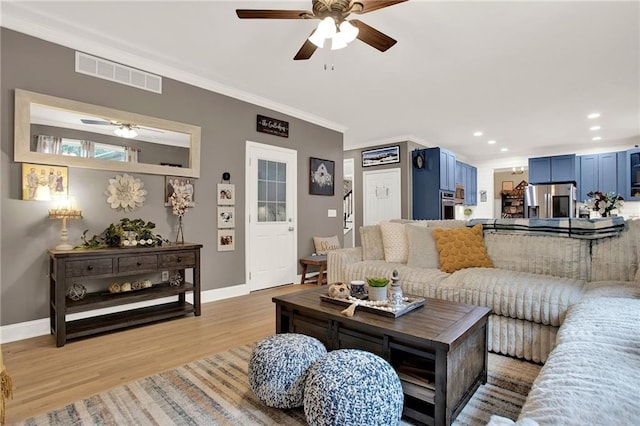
[[525, 73]]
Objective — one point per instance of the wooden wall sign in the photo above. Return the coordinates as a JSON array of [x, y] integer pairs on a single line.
[[273, 126]]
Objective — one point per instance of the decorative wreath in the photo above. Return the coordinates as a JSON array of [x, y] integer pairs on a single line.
[[125, 192]]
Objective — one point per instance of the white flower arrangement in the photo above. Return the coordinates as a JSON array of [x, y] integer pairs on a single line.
[[124, 192], [180, 203]]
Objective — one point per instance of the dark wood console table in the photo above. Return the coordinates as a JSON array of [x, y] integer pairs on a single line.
[[69, 267], [439, 350]]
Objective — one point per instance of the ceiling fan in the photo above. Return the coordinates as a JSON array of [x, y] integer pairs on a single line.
[[125, 130], [334, 25]]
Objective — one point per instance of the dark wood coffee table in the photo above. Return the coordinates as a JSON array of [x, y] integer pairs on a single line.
[[438, 350]]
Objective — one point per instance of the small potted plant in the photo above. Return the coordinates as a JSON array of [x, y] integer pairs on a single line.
[[377, 288]]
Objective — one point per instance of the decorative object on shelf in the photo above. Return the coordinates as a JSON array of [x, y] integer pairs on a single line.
[[397, 298], [76, 292], [507, 185], [388, 155], [129, 286], [377, 288], [175, 280], [226, 240], [339, 290], [381, 307], [180, 204], [64, 210], [604, 202], [124, 192], [226, 194], [127, 229], [358, 290], [468, 212], [41, 182], [321, 176]]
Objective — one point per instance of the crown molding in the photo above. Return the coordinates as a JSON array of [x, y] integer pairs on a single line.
[[23, 18], [387, 141]]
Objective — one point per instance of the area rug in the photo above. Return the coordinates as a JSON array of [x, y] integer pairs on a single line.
[[214, 391]]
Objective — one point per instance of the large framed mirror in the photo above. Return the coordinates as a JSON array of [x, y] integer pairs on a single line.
[[63, 132]]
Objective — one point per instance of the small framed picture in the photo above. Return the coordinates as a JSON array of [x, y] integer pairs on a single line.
[[507, 185], [321, 176], [180, 185], [380, 156], [226, 217], [226, 194], [226, 240], [41, 182]]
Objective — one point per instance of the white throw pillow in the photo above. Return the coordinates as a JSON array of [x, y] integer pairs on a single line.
[[423, 252], [394, 240]]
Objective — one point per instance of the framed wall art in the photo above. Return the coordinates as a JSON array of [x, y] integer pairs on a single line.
[[226, 240], [321, 180], [180, 185], [380, 156], [226, 194], [41, 182], [226, 217]]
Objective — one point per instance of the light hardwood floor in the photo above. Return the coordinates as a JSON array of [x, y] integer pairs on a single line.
[[46, 377]]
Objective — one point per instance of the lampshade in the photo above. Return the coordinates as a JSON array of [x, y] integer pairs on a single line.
[[348, 32], [338, 42], [125, 132], [326, 29]]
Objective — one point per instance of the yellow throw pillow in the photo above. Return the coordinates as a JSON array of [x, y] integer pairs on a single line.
[[461, 248]]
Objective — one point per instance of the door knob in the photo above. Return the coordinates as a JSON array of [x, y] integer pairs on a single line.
[[291, 229]]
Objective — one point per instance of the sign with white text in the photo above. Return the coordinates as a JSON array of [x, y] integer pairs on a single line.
[[273, 126]]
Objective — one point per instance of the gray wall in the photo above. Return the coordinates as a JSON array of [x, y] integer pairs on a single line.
[[227, 123], [405, 176]]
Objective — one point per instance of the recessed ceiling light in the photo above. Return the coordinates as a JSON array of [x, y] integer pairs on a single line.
[[477, 133], [597, 138], [593, 115], [594, 128], [491, 142], [504, 149]]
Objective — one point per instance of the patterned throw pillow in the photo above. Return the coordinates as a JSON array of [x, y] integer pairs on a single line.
[[324, 245], [461, 248], [395, 242], [371, 241]]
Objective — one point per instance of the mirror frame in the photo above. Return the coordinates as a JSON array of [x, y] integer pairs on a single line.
[[22, 136]]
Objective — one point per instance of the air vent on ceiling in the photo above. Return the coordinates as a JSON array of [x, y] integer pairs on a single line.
[[101, 68]]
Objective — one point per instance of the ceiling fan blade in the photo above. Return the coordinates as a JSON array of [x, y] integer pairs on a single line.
[[149, 129], [101, 122], [373, 37], [273, 14], [306, 50], [371, 5]]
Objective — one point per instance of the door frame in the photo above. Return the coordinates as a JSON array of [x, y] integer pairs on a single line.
[[249, 146]]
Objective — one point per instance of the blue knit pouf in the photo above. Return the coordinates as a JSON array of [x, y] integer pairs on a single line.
[[278, 368], [352, 387]]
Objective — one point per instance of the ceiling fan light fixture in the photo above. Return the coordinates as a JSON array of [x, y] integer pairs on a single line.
[[326, 29], [348, 32], [338, 42], [125, 132]]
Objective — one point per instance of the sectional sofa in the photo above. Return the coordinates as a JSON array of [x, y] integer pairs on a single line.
[[538, 273], [570, 300]]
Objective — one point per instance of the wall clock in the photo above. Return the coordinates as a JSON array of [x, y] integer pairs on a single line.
[[418, 161]]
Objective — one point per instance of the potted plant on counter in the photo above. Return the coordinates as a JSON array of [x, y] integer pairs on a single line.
[[377, 288]]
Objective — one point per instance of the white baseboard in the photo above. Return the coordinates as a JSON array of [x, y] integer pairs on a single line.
[[40, 327]]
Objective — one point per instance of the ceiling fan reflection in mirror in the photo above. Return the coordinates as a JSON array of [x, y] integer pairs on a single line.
[[333, 25], [124, 130]]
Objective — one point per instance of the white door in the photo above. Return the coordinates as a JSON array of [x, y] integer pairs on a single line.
[[272, 236], [382, 196]]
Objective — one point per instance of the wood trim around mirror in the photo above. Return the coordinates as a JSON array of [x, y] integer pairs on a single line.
[[22, 136]]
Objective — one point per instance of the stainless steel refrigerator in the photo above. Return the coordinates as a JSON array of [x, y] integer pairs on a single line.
[[553, 200]]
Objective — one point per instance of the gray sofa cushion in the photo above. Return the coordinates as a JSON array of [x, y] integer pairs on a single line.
[[545, 255], [423, 252], [371, 241], [538, 298]]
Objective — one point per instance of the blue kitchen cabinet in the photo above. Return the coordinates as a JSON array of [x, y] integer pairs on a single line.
[[601, 172], [632, 172], [467, 176], [433, 171], [553, 169]]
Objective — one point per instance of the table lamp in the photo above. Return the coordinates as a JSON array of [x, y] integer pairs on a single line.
[[64, 211]]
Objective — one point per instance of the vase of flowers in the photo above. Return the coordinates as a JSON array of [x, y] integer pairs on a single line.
[[180, 204], [604, 202]]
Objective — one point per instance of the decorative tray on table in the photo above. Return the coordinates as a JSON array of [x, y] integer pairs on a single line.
[[381, 308]]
